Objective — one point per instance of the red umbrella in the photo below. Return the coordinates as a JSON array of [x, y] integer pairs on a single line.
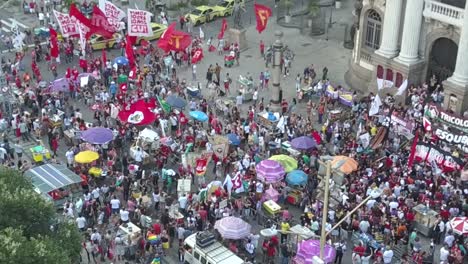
[[137, 114]]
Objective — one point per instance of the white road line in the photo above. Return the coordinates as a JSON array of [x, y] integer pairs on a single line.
[[5, 30], [18, 23]]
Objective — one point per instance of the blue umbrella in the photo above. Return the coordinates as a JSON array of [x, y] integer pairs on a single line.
[[121, 60], [176, 101], [97, 135], [296, 177], [233, 139], [199, 116]]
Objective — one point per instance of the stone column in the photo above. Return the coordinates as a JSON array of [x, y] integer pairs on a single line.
[[460, 75], [411, 32], [391, 29], [277, 92]]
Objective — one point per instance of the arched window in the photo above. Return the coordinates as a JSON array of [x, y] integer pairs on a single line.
[[373, 30]]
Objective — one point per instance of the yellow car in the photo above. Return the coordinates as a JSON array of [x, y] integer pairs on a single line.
[[158, 30], [225, 8], [98, 42], [200, 15]]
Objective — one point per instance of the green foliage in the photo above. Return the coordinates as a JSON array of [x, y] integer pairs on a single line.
[[177, 6], [199, 2], [313, 8], [67, 3], [287, 4], [25, 219]]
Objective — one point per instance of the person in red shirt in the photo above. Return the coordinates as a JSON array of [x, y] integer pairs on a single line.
[[360, 250], [445, 214]]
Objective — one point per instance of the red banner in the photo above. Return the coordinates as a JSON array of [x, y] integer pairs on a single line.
[[54, 49], [197, 56], [223, 29], [413, 150], [84, 26], [262, 13], [99, 20]]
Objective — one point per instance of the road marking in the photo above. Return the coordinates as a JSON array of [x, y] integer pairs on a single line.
[[18, 23]]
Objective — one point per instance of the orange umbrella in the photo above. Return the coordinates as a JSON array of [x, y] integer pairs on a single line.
[[349, 165]]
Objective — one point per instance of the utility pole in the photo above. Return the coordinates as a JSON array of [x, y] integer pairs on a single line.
[[323, 235]]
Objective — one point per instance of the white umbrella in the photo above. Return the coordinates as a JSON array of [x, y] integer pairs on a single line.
[[232, 227]]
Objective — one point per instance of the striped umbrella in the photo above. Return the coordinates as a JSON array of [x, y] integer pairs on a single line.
[[232, 227], [269, 171]]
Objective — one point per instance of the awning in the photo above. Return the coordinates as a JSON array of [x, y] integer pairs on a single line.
[[51, 177]]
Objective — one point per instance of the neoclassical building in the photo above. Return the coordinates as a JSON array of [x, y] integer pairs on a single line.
[[414, 40]]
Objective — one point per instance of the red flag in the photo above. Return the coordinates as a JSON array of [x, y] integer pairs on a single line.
[[413, 150], [99, 20], [133, 73], [174, 40], [104, 57], [129, 51], [90, 28], [197, 55], [262, 13], [54, 49], [223, 29]]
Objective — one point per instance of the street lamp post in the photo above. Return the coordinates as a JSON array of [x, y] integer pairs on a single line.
[[277, 94], [325, 207]]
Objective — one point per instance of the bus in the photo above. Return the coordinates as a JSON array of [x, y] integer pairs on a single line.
[[215, 253]]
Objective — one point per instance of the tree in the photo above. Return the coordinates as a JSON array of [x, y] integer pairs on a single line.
[[287, 4], [313, 8], [25, 220]]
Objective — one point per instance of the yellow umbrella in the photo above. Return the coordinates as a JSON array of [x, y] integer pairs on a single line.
[[86, 156], [348, 166], [289, 163]]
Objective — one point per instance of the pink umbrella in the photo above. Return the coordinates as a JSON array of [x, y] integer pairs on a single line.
[[270, 171], [271, 194], [307, 249]]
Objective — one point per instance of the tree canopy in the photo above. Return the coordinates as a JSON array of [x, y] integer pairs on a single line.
[[25, 221]]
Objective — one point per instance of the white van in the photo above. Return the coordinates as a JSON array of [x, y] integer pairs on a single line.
[[215, 253]]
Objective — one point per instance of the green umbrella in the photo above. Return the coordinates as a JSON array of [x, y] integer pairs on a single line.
[[289, 163]]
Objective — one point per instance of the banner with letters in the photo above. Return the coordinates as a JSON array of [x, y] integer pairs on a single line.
[[431, 154], [139, 23], [113, 13], [67, 24]]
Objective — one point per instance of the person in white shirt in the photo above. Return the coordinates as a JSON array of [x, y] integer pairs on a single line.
[[95, 236], [96, 193], [156, 200], [387, 255], [139, 155], [115, 205], [124, 216], [81, 223], [183, 203], [444, 254]]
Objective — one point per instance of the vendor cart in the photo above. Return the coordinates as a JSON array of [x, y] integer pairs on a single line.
[[245, 87], [193, 92], [223, 105], [229, 61], [40, 154], [268, 120]]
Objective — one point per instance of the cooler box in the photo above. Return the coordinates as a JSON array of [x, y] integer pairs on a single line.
[[271, 207], [205, 239], [96, 172]]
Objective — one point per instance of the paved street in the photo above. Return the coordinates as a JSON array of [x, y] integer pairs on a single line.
[[308, 50]]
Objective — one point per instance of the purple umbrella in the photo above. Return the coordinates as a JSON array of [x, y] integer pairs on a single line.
[[303, 143], [59, 85], [97, 135], [269, 171], [307, 249]]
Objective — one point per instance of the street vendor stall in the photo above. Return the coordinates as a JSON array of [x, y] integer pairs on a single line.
[[268, 120], [40, 153], [425, 218], [223, 105], [55, 182], [245, 87]]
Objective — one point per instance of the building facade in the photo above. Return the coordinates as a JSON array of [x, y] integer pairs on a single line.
[[417, 40]]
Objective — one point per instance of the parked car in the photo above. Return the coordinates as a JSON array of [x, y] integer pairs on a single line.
[[200, 15]]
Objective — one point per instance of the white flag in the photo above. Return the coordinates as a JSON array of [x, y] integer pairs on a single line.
[[228, 183], [202, 35], [402, 88], [139, 23], [67, 24], [82, 30], [375, 105], [380, 84]]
